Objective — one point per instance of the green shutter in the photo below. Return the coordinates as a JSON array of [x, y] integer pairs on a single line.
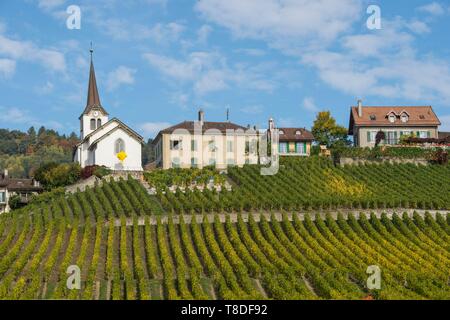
[[428, 134], [304, 146], [417, 134], [296, 150], [368, 136]]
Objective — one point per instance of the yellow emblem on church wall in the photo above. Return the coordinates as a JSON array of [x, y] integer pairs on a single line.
[[122, 155]]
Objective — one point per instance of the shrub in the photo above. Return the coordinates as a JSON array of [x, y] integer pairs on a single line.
[[54, 175], [14, 202], [98, 171]]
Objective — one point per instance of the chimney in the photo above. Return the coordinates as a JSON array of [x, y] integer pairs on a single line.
[[271, 124], [360, 111], [201, 116]]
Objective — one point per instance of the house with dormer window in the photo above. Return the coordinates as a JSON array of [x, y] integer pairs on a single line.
[[394, 121], [293, 141]]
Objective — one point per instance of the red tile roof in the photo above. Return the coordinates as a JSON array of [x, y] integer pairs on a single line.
[[378, 116], [290, 134]]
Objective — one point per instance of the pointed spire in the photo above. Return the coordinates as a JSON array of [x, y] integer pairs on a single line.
[[93, 98]]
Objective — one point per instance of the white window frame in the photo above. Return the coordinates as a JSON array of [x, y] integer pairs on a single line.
[[117, 146], [230, 146]]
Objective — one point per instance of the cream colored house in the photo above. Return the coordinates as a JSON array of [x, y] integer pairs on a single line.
[[394, 121], [292, 141], [196, 144]]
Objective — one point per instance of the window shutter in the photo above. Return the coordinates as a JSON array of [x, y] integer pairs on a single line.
[[368, 136], [418, 134], [304, 147], [428, 134]]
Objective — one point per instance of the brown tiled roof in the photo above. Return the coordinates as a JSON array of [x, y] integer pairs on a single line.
[[207, 125], [19, 184], [289, 134], [417, 116], [93, 98], [121, 124], [378, 116]]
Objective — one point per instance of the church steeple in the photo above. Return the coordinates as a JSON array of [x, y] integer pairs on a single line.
[[93, 98], [94, 115]]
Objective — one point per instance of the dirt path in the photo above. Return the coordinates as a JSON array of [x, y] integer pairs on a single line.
[[278, 216]]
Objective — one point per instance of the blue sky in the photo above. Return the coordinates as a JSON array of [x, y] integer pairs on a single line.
[[159, 61]]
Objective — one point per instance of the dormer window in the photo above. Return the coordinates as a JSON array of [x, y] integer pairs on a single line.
[[298, 133], [373, 117], [391, 118], [404, 117], [280, 131]]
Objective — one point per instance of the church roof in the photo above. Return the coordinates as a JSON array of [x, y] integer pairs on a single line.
[[93, 98], [121, 125]]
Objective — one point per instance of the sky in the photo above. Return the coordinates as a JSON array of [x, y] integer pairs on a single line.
[[159, 61]]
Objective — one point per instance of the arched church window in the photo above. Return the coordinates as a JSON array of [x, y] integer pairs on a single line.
[[119, 146], [99, 123], [92, 124]]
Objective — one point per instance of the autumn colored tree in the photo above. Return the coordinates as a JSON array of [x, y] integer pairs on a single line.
[[327, 132]]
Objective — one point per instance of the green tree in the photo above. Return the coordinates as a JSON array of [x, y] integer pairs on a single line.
[[327, 132], [14, 202]]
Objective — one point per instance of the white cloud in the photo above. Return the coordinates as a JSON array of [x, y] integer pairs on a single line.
[[203, 33], [14, 115], [122, 29], [253, 109], [28, 51], [286, 123], [45, 89], [121, 75], [445, 120], [433, 8], [251, 52], [418, 27], [384, 64], [180, 99], [50, 4], [209, 72], [150, 129], [283, 23], [7, 68], [309, 104]]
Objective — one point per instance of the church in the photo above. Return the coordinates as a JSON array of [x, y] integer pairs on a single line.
[[106, 142]]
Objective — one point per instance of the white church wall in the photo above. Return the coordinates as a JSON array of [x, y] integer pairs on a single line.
[[105, 153]]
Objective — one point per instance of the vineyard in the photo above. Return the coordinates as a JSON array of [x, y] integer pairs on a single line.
[[251, 243], [288, 258], [313, 184]]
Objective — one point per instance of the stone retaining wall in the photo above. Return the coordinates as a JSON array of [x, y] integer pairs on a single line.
[[357, 161]]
